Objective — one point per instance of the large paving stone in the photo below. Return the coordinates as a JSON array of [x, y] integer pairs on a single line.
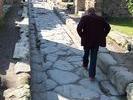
[[77, 92], [50, 49], [52, 96], [63, 65], [47, 65], [62, 47], [50, 84], [100, 76], [120, 78], [91, 85], [52, 57], [74, 59], [63, 77], [60, 53], [105, 60]]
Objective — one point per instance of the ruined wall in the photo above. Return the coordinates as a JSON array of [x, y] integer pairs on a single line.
[[79, 5], [115, 8]]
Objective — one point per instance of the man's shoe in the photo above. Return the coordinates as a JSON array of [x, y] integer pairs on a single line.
[[92, 78]]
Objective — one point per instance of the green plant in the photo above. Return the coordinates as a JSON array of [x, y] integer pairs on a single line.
[[130, 6]]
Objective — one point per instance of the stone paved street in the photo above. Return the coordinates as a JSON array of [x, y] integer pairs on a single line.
[[56, 61]]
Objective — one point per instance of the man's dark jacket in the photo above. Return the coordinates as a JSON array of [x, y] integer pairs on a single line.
[[93, 30]]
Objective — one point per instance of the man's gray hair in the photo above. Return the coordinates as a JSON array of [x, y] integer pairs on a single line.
[[91, 10]]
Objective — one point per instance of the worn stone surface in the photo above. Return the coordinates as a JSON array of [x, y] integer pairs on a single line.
[[63, 65], [63, 77], [120, 77], [108, 88], [93, 86], [21, 67], [105, 60], [17, 92], [50, 84], [77, 92]]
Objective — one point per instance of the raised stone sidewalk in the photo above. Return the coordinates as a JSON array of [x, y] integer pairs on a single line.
[[56, 58]]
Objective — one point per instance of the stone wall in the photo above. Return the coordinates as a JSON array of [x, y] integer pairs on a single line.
[[115, 8], [79, 5]]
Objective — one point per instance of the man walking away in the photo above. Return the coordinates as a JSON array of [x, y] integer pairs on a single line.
[[93, 30]]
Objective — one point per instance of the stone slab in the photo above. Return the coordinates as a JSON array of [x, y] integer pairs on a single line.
[[63, 77], [77, 92], [120, 78], [105, 60], [108, 89], [63, 65]]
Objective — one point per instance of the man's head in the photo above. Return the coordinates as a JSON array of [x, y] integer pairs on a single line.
[[91, 10]]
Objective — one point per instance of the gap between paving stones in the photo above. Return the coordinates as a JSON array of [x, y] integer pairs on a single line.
[[119, 76], [22, 67]]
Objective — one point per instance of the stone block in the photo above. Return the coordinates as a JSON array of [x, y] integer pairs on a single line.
[[121, 40], [120, 78], [105, 60], [22, 67], [18, 92], [21, 51], [77, 92], [108, 88], [103, 50]]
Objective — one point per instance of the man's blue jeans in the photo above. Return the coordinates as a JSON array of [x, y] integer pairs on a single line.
[[93, 59]]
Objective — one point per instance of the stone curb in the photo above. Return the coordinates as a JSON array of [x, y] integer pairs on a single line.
[[122, 40], [118, 76], [22, 67]]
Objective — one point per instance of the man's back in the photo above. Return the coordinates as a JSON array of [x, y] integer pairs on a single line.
[[92, 29]]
